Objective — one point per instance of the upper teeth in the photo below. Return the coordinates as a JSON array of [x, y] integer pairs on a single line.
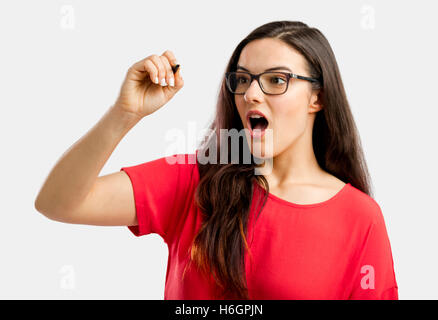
[[255, 116]]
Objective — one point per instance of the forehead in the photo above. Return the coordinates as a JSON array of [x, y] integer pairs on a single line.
[[261, 54]]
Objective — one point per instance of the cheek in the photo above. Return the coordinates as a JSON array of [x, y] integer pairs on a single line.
[[288, 112], [290, 119], [240, 107]]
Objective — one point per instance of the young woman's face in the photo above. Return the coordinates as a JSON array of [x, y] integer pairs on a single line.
[[288, 114]]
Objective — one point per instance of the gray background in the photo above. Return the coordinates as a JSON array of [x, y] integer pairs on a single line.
[[61, 67]]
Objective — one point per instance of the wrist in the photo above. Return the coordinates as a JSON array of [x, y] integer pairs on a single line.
[[124, 116], [119, 121]]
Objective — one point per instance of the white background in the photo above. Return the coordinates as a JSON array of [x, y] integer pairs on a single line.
[[61, 67]]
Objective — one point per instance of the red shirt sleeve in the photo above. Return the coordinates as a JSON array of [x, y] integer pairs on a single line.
[[374, 278], [161, 191]]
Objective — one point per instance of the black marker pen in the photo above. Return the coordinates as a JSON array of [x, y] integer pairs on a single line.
[[175, 68]]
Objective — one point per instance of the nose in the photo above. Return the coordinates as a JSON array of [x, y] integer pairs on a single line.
[[254, 93]]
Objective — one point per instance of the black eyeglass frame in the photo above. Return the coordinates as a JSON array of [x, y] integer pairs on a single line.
[[257, 77]]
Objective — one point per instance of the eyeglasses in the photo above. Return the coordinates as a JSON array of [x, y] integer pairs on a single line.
[[271, 83]]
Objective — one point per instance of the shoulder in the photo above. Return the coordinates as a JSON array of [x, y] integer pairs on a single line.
[[184, 161], [183, 166], [356, 202], [171, 170], [363, 207]]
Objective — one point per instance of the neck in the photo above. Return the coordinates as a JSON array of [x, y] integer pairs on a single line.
[[297, 164]]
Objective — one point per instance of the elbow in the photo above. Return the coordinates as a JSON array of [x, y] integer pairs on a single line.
[[55, 214], [42, 208], [38, 205]]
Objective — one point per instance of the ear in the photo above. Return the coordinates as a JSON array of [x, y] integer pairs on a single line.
[[315, 101]]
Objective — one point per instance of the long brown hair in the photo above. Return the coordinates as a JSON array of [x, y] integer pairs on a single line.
[[225, 191]]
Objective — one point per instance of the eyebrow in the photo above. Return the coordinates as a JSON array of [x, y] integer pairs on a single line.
[[270, 69]]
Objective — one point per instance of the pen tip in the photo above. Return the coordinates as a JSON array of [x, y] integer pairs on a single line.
[[175, 68]]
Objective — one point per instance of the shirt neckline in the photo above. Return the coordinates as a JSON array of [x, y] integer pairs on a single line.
[[304, 206]]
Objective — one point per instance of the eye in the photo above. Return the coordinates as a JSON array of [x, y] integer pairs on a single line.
[[241, 79], [273, 80]]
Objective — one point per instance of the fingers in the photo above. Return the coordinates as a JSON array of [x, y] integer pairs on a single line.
[[152, 70], [172, 60], [169, 79], [171, 57], [159, 69], [159, 65], [142, 66]]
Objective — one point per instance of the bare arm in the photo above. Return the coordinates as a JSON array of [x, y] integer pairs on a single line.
[[73, 192], [73, 177]]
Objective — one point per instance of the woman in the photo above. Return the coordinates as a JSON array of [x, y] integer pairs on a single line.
[[307, 229]]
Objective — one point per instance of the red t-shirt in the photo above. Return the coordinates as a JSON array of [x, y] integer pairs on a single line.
[[336, 249]]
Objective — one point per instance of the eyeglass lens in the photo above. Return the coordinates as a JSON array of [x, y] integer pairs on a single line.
[[272, 82]]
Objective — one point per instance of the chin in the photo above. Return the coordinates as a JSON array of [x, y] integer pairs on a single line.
[[261, 150], [263, 160], [261, 147]]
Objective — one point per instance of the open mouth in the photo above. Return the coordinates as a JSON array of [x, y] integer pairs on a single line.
[[258, 122]]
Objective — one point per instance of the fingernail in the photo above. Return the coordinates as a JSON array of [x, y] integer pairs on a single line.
[[163, 82], [172, 82], [156, 80]]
